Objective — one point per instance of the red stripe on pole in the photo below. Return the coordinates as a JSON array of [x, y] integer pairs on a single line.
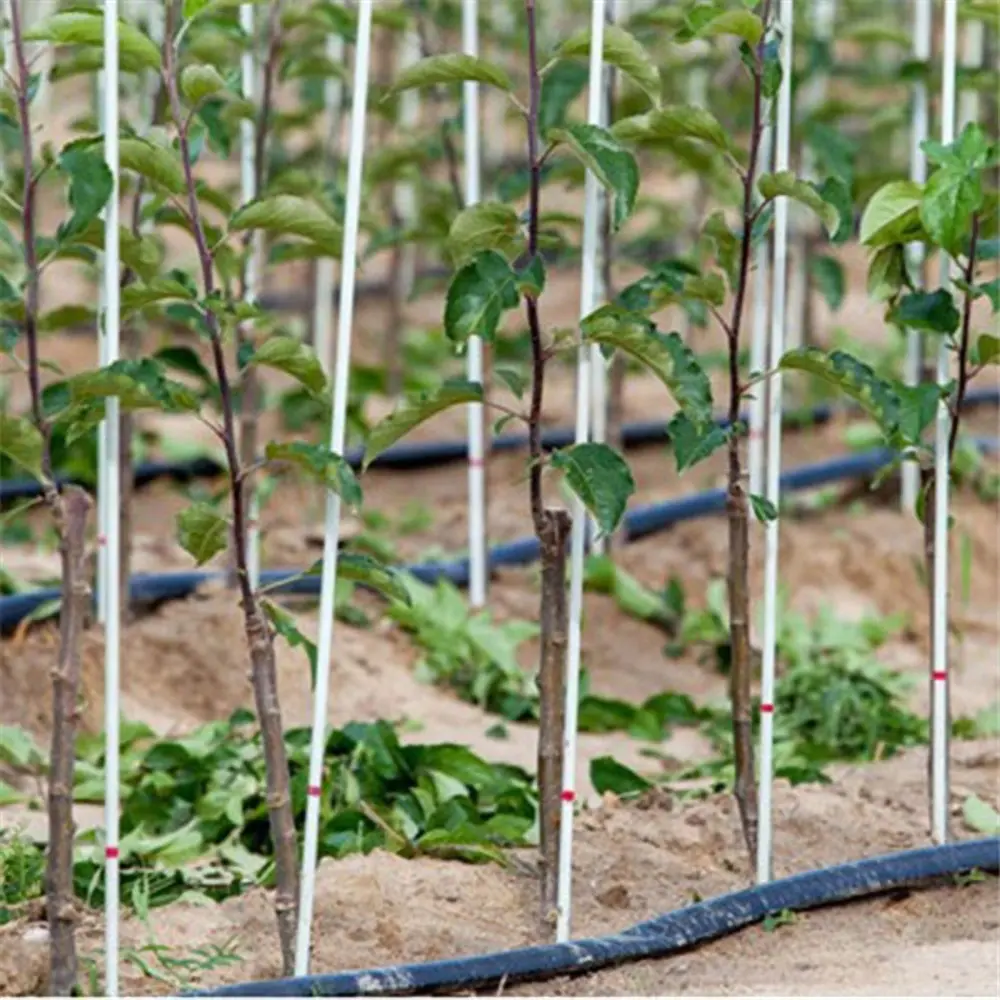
[[940, 675], [568, 796], [111, 853], [314, 791], [102, 539], [477, 463], [766, 707]]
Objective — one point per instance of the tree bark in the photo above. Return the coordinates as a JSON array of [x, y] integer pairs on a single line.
[[70, 511]]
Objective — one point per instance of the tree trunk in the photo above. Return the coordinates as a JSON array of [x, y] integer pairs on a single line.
[[552, 692], [70, 512]]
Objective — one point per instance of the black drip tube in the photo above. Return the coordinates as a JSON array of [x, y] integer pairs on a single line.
[[657, 938]]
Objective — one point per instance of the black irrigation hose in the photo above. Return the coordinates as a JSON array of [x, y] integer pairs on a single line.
[[660, 937], [426, 454], [642, 520]]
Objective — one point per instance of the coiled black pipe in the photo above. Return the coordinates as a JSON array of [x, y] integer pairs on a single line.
[[425, 454], [660, 937], [646, 519]]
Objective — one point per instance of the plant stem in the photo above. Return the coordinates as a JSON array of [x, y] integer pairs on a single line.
[[552, 529], [552, 696], [69, 513], [260, 638], [736, 500]]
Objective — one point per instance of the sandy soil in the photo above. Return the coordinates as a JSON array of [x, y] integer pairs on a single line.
[[185, 663]]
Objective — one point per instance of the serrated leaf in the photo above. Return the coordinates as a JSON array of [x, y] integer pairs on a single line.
[[608, 775], [478, 295], [675, 121], [198, 83], [487, 225], [623, 51], [531, 277], [991, 289], [90, 187], [285, 625], [708, 287], [828, 273], [981, 816], [21, 442], [600, 477], [202, 532], [918, 406], [436, 70], [140, 296], [86, 27], [362, 569], [291, 215], [892, 214], [19, 750], [138, 385], [929, 312], [987, 350], [291, 356], [836, 193], [415, 411], [951, 198], [323, 466], [786, 184], [667, 357], [613, 165], [852, 377], [562, 85], [514, 381], [691, 444], [185, 359]]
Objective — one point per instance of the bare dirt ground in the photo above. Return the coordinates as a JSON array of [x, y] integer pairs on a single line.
[[184, 663]]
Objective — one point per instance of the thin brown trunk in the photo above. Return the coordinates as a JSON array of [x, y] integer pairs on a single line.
[[260, 638], [70, 512], [552, 692]]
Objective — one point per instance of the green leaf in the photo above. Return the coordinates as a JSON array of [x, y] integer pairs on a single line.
[[285, 625], [951, 198], [198, 83], [531, 277], [19, 750], [852, 377], [763, 509], [709, 23], [185, 359], [786, 184], [987, 350], [488, 225], [600, 477], [608, 775], [81, 27], [708, 287], [478, 295], [90, 187], [158, 164], [21, 442], [837, 194], [828, 273], [892, 214], [675, 121], [514, 381], [624, 52], [202, 532], [692, 444], [289, 355], [291, 215], [362, 569], [562, 85], [981, 816], [138, 385], [917, 408], [929, 312], [321, 465], [613, 165], [887, 273], [140, 296], [991, 289], [436, 70], [667, 357], [413, 412]]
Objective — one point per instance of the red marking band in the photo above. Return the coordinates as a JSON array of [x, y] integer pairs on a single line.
[[939, 675], [102, 539], [568, 796], [111, 853], [767, 707], [476, 463], [756, 434], [314, 791]]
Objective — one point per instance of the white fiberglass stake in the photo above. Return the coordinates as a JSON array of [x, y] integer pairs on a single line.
[[110, 526], [910, 473], [772, 487], [939, 627], [331, 541], [333, 97], [248, 191], [478, 550], [588, 295]]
